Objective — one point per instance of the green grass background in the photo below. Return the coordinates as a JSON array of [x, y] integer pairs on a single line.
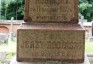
[[89, 47]]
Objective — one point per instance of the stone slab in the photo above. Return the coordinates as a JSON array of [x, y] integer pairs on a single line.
[[86, 61], [51, 11], [53, 41]]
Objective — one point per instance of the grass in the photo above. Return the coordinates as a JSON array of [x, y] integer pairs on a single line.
[[9, 47], [89, 47]]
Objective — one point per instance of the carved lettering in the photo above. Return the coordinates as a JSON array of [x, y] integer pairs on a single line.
[[51, 2], [49, 45], [51, 10]]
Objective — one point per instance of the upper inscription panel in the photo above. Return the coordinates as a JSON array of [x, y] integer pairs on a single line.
[[51, 11]]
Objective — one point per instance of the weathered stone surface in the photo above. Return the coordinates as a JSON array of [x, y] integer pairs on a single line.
[[51, 11], [62, 42], [86, 61]]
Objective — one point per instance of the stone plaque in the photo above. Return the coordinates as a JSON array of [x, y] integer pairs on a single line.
[[50, 42], [51, 11]]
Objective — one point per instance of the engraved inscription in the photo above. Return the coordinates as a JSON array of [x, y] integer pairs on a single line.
[[51, 44], [51, 10], [51, 1]]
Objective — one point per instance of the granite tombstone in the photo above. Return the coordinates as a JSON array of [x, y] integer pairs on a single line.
[[41, 42], [51, 32], [51, 11]]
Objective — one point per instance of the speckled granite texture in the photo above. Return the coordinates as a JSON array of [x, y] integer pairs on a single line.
[[50, 42]]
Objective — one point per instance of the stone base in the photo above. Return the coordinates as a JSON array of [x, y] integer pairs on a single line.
[[50, 42], [86, 61]]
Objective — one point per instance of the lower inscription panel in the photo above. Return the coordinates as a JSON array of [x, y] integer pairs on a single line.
[[50, 44]]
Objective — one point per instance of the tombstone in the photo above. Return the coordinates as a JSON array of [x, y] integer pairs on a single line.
[[2, 56], [51, 11], [11, 29], [82, 20], [51, 32]]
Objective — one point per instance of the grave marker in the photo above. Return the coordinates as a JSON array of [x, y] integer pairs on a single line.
[[51, 32], [51, 11], [41, 42]]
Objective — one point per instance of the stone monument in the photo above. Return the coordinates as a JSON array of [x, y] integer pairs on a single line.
[[51, 11], [51, 32]]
